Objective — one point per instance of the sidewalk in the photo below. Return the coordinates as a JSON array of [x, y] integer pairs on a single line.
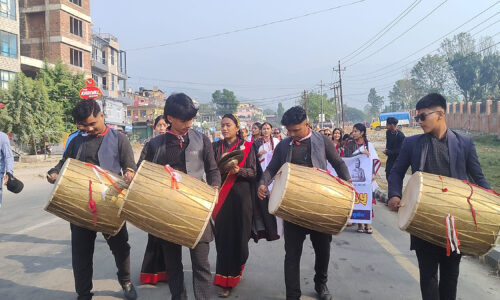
[[492, 258]]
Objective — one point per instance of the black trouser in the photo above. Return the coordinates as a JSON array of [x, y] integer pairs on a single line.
[[428, 263], [294, 240], [201, 270], [82, 250]]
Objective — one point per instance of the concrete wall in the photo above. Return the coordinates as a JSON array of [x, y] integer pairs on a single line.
[[470, 116]]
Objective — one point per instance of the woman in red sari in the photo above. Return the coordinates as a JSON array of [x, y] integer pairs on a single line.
[[234, 209]]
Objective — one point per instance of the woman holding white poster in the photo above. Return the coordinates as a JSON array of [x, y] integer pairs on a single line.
[[360, 145], [266, 145]]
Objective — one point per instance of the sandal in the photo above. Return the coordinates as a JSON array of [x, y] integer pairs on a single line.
[[360, 229], [224, 293], [369, 230]]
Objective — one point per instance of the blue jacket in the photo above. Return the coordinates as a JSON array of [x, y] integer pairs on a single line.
[[464, 163]]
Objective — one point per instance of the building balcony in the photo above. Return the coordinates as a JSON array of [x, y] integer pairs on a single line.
[[103, 68]]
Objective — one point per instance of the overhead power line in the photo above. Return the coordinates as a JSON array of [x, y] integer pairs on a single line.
[[204, 37], [431, 43], [399, 36], [381, 33]]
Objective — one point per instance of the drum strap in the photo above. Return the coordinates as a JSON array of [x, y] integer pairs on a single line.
[[452, 241], [340, 181], [229, 182], [92, 204], [108, 176]]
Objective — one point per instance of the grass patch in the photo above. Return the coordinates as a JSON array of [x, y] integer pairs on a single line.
[[488, 151]]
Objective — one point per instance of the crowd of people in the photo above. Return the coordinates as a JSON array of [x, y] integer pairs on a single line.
[[241, 211]]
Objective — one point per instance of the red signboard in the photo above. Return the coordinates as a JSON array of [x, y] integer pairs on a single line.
[[90, 82], [90, 91]]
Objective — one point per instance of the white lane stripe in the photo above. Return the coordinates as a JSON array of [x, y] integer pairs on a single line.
[[31, 228]]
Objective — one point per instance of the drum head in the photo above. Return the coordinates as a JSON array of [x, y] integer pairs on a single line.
[[410, 200], [279, 187]]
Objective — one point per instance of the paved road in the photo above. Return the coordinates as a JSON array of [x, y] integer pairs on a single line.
[[35, 260]]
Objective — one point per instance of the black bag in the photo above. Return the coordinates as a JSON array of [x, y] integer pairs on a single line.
[[13, 184]]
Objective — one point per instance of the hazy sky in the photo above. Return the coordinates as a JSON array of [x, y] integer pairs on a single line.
[[276, 62]]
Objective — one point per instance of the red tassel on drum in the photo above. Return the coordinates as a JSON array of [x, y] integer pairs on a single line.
[[92, 204], [473, 211], [442, 185], [173, 182]]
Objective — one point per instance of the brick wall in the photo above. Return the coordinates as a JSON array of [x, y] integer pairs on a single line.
[[474, 116]]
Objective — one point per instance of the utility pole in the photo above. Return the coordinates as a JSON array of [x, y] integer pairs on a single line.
[[321, 119], [304, 96], [341, 98]]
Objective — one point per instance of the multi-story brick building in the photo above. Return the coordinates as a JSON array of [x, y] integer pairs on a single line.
[[249, 113], [148, 104], [55, 30], [109, 70], [9, 41]]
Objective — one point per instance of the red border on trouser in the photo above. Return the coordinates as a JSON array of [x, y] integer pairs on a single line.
[[153, 278], [228, 281]]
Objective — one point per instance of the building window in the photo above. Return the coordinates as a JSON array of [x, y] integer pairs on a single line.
[[8, 44], [75, 57], [143, 113], [104, 83], [103, 56], [112, 82], [5, 77], [8, 9], [75, 26], [77, 2], [112, 57], [96, 79]]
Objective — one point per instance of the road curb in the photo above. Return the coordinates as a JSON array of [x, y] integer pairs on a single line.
[[491, 259]]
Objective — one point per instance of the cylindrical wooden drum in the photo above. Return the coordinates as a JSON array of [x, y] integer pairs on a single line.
[[70, 197], [155, 205], [311, 198], [428, 199]]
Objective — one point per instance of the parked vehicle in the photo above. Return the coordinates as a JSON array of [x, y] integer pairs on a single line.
[[403, 119]]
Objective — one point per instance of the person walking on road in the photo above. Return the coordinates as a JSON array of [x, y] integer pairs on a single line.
[[6, 161], [443, 152], [297, 148], [393, 141], [190, 152], [111, 150]]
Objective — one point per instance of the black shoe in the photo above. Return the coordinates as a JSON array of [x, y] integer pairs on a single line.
[[323, 292], [129, 291]]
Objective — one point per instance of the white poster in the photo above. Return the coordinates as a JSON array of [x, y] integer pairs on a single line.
[[360, 168]]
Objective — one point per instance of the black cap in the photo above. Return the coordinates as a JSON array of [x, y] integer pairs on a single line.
[[13, 184]]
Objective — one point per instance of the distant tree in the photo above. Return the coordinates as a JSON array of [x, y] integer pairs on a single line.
[[404, 95], [314, 106], [432, 74], [225, 102], [63, 86], [354, 115], [269, 111], [280, 111], [34, 118], [375, 103], [206, 108], [475, 66]]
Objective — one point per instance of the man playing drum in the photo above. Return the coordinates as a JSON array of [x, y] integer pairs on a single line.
[[306, 148], [443, 152], [191, 152], [110, 149]]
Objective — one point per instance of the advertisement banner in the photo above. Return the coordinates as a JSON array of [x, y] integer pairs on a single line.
[[360, 168]]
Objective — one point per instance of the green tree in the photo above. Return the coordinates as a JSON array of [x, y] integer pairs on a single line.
[[375, 103], [269, 111], [475, 66], [280, 111], [314, 106], [206, 108], [404, 95], [225, 102], [63, 86], [354, 115], [432, 74], [35, 119]]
